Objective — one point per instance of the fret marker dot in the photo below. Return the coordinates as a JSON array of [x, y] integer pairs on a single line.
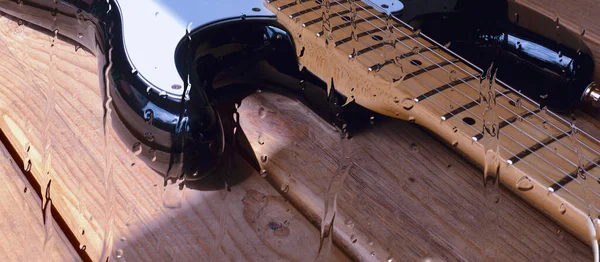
[[416, 62], [377, 37], [469, 121]]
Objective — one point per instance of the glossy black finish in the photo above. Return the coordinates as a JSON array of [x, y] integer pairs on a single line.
[[544, 69]]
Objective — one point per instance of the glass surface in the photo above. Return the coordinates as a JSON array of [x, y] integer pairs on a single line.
[[290, 187]]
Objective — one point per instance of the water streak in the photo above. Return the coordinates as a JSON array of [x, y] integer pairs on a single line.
[[48, 225], [588, 193], [47, 144], [222, 231], [491, 172], [331, 194], [109, 183]]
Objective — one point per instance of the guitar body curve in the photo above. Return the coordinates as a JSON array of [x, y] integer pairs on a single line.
[[223, 55]]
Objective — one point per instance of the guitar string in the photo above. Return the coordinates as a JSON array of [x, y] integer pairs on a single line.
[[523, 160], [527, 162], [527, 109], [592, 162], [533, 102], [586, 170]]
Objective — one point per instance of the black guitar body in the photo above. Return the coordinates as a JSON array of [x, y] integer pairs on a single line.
[[225, 62]]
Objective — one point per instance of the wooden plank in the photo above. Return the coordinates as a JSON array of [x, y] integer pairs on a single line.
[[23, 230], [252, 222], [406, 198]]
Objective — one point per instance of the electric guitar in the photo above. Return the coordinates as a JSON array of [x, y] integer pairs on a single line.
[[174, 68]]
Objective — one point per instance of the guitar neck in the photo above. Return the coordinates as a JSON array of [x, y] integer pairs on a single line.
[[384, 65]]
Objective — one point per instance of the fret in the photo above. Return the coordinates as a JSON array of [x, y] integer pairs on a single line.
[[372, 31], [469, 106], [318, 7], [509, 121], [342, 13], [292, 4], [359, 21], [572, 176], [378, 67], [513, 160], [380, 44], [431, 67], [286, 6], [525, 135], [444, 87]]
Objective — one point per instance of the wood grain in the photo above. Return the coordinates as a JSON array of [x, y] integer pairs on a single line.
[[252, 222], [23, 230], [407, 197], [391, 79], [407, 194]]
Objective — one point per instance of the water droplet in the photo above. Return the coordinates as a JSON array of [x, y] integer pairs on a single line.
[[524, 184], [455, 143], [162, 94], [353, 239], [149, 116], [285, 188], [20, 22], [390, 259], [372, 254], [82, 247], [518, 103], [119, 253], [260, 139], [408, 103], [149, 90], [176, 87], [562, 208], [414, 147], [25, 190], [123, 239], [79, 35], [452, 75], [349, 223], [261, 112], [27, 164], [137, 148], [372, 120], [152, 152], [263, 173], [263, 159], [149, 136], [545, 125], [544, 96], [156, 14]]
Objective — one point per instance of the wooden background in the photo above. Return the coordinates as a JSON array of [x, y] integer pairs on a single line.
[[407, 196]]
